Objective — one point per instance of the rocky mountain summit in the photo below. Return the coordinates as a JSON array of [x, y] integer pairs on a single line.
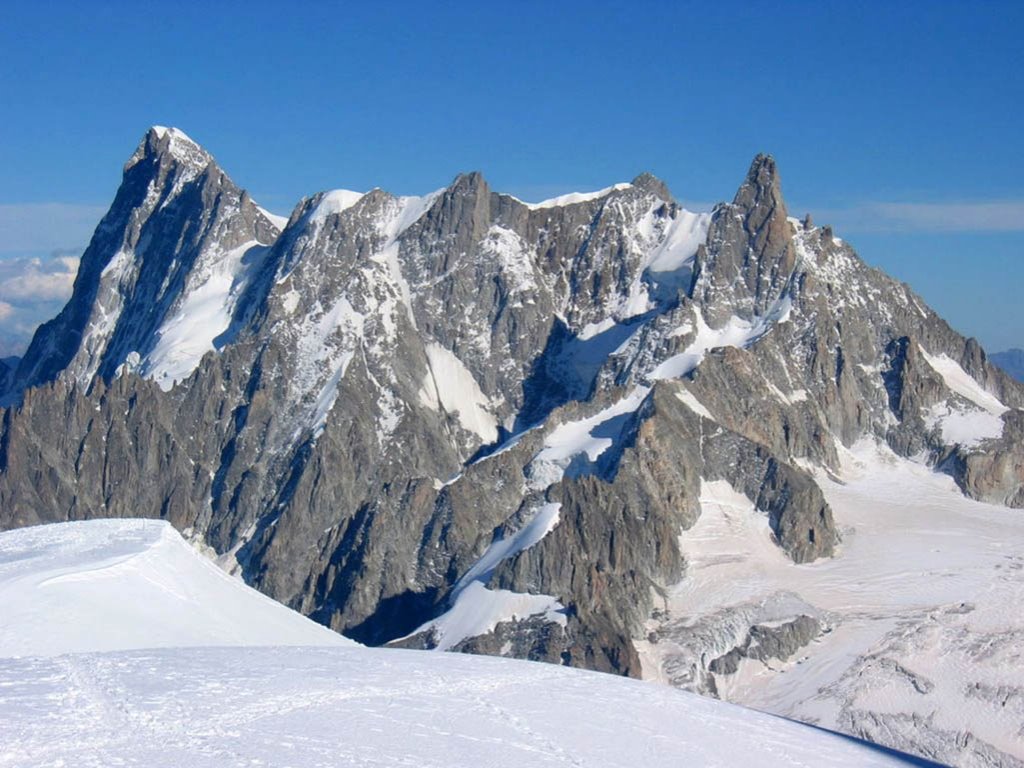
[[466, 422]]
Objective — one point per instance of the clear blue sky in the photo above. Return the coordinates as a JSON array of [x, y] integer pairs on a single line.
[[900, 123]]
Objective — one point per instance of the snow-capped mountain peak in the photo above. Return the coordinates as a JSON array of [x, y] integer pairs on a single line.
[[161, 277], [170, 145], [462, 421]]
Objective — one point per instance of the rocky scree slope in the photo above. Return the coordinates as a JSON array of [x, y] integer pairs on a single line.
[[466, 422]]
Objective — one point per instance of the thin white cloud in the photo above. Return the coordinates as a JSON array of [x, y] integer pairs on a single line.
[[977, 216], [1006, 216], [43, 227], [34, 279], [32, 290]]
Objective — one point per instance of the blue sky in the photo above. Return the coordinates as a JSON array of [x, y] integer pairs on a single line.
[[900, 124]]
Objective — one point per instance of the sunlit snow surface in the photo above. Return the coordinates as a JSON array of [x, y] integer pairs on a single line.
[[364, 707], [116, 584], [926, 643], [571, 445], [340, 705], [450, 384], [574, 198]]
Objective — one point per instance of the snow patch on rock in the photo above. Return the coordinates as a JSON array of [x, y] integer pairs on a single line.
[[332, 203], [961, 382], [475, 609], [968, 427], [205, 312], [685, 234], [690, 401], [449, 384], [572, 448], [574, 198], [737, 332]]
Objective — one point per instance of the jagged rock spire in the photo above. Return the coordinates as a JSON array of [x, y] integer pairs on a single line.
[[651, 183], [760, 200], [752, 264], [762, 182]]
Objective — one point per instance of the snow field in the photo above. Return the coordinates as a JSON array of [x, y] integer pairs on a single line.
[[921, 652], [448, 383], [574, 198], [737, 332], [121, 584], [164, 694]]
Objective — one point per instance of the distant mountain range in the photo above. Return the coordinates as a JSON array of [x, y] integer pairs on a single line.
[[1011, 361], [466, 422]]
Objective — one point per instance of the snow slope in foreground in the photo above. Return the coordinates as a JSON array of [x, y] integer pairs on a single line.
[[313, 706], [118, 584], [924, 648], [375, 707]]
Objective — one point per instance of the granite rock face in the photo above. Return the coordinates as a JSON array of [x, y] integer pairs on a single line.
[[466, 422]]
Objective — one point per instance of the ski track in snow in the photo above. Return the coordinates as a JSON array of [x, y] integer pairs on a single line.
[[373, 707]]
